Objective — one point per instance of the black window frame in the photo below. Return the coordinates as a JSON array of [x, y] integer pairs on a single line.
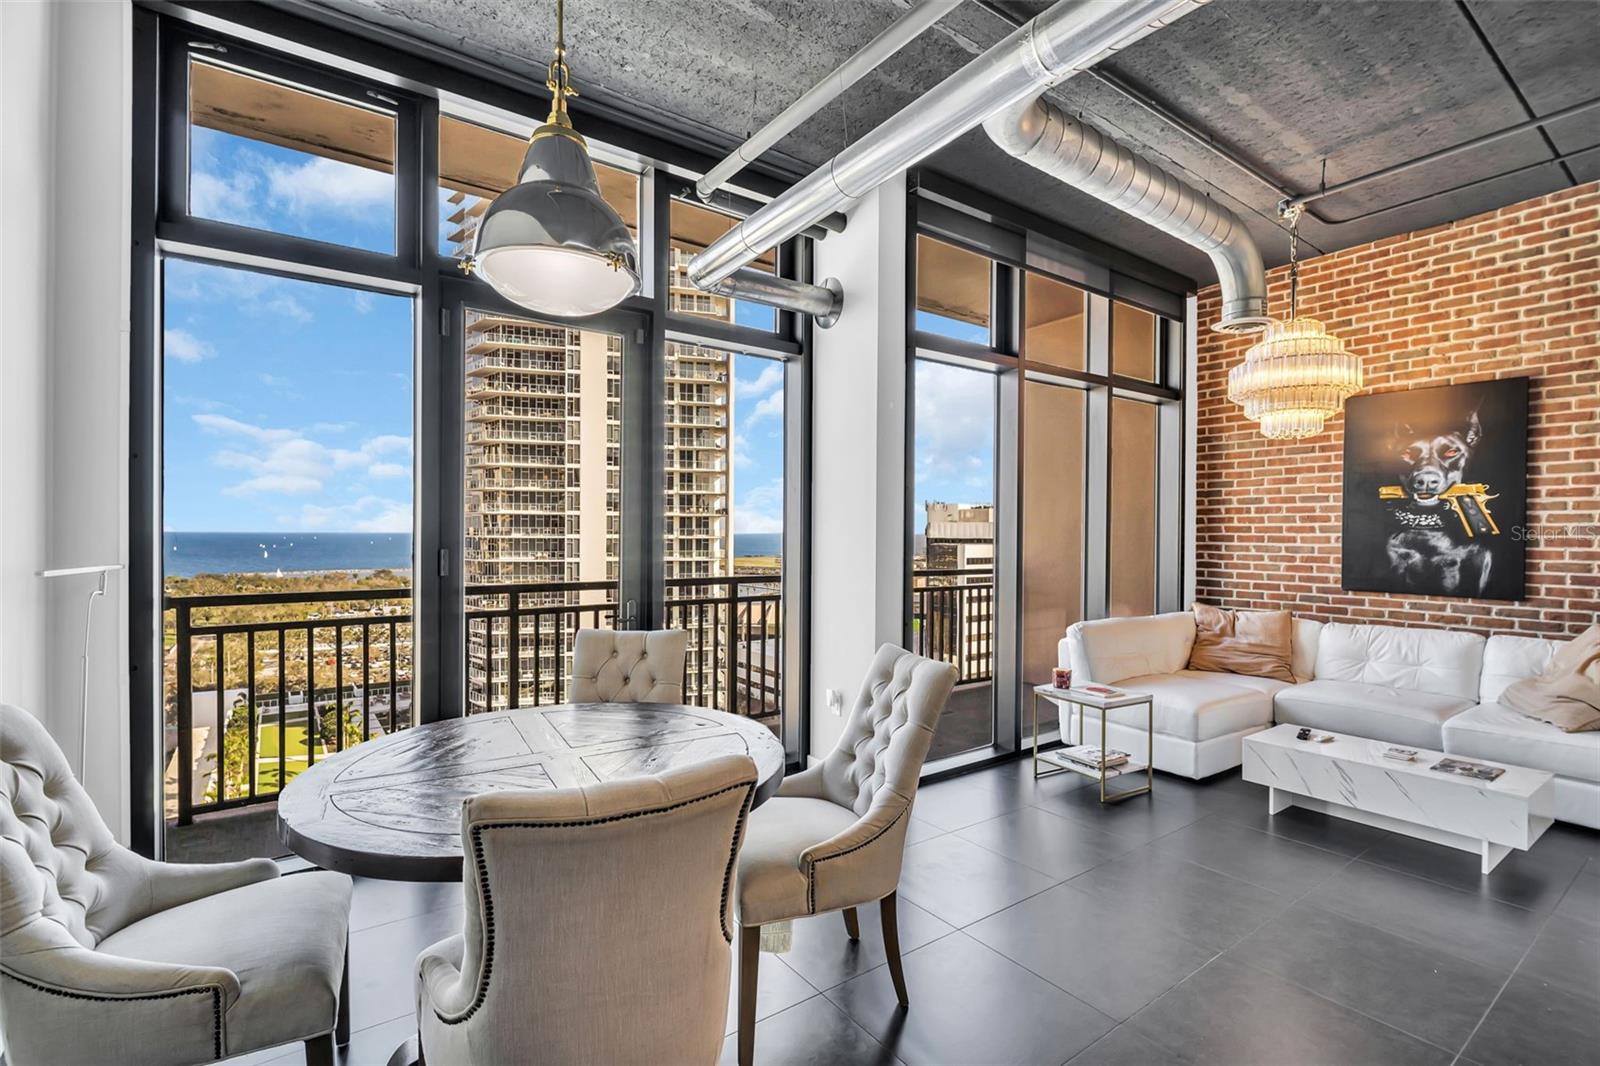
[[409, 82], [958, 214]]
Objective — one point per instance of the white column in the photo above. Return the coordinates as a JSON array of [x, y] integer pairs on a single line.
[[858, 455]]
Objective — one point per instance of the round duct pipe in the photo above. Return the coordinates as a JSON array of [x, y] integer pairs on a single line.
[[1042, 135]]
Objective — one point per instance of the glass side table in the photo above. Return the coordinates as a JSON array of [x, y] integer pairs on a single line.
[[1054, 762]]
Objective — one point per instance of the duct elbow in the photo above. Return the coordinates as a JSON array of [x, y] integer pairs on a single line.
[[1242, 276], [1040, 134]]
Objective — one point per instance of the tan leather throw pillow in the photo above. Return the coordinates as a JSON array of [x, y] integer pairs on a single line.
[[1567, 694], [1254, 643]]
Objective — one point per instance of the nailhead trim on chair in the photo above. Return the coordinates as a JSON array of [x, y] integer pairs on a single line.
[[811, 874], [215, 992], [481, 863]]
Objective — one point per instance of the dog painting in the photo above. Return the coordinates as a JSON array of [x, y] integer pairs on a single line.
[[1435, 490]]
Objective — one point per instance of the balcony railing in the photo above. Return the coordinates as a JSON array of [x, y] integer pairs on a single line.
[[952, 620], [259, 725], [734, 627], [252, 700]]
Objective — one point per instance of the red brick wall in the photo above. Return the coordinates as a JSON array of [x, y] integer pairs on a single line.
[[1515, 292]]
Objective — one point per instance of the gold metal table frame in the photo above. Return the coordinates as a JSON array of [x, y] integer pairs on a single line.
[[1061, 696]]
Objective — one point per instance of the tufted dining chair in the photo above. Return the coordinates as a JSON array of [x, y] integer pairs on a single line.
[[109, 957], [628, 666], [597, 923], [833, 836]]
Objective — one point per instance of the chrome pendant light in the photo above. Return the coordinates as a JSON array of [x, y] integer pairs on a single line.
[[1298, 375], [551, 243]]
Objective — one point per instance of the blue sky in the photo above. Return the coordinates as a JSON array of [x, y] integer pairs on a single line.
[[289, 403], [953, 450]]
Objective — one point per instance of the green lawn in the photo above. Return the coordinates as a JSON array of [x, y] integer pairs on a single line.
[[267, 745]]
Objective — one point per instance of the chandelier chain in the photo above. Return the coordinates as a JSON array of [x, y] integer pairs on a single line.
[[1291, 214]]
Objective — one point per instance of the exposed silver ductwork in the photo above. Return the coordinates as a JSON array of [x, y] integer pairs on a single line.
[[1044, 136], [1070, 36], [822, 302]]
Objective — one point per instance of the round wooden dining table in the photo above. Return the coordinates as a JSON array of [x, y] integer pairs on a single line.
[[390, 808]]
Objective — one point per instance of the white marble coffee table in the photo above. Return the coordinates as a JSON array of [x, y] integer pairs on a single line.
[[1349, 777]]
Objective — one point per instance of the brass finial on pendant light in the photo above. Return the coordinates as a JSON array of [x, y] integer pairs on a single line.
[[1298, 375], [551, 243]]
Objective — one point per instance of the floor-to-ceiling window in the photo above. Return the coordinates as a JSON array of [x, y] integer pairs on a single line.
[[1044, 467], [379, 494], [955, 417]]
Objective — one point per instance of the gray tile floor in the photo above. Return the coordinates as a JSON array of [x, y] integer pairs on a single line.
[[1185, 927]]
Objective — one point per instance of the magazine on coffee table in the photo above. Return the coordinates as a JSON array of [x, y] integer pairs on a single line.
[[1467, 768]]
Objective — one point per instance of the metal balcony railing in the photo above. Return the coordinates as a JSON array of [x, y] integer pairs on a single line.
[[952, 620], [259, 686], [276, 694]]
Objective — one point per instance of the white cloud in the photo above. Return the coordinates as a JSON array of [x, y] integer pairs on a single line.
[[369, 514], [383, 470], [955, 432], [771, 377], [770, 407], [362, 302], [184, 346], [224, 197], [327, 186], [286, 462], [760, 510]]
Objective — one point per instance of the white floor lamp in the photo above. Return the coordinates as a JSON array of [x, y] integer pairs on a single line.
[[88, 623]]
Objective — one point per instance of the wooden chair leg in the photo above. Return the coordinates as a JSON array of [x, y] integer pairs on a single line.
[[891, 945], [852, 924], [749, 962], [341, 1027], [319, 1050]]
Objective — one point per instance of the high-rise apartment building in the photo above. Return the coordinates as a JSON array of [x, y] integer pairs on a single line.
[[543, 458]]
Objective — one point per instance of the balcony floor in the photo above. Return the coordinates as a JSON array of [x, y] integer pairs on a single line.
[[1312, 939]]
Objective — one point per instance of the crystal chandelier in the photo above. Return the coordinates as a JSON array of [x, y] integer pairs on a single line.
[[1298, 375]]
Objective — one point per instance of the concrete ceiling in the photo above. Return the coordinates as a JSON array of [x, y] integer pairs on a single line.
[[1285, 86]]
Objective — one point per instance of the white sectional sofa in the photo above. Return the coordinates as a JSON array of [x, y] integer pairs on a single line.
[[1424, 688]]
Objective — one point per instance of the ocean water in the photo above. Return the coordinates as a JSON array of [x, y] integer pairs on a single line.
[[187, 554], [757, 544]]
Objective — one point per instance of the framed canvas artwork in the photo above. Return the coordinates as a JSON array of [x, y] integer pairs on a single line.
[[1435, 490]]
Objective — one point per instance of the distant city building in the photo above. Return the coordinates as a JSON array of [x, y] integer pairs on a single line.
[[960, 536]]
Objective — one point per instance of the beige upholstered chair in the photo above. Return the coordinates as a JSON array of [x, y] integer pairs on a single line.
[[108, 957], [832, 838], [623, 666], [597, 923]]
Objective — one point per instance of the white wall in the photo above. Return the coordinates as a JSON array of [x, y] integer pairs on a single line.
[[858, 455], [66, 431], [27, 36]]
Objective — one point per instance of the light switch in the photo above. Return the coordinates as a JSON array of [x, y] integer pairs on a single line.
[[836, 702]]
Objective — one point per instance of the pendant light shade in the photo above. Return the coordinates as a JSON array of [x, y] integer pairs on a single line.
[[551, 243]]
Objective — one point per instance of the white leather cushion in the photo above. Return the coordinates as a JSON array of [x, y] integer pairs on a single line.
[[1192, 705], [1439, 661], [1110, 649], [1507, 659], [1396, 716], [283, 938], [1303, 649], [1493, 731]]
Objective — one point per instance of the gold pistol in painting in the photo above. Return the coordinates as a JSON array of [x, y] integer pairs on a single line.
[[1470, 503]]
